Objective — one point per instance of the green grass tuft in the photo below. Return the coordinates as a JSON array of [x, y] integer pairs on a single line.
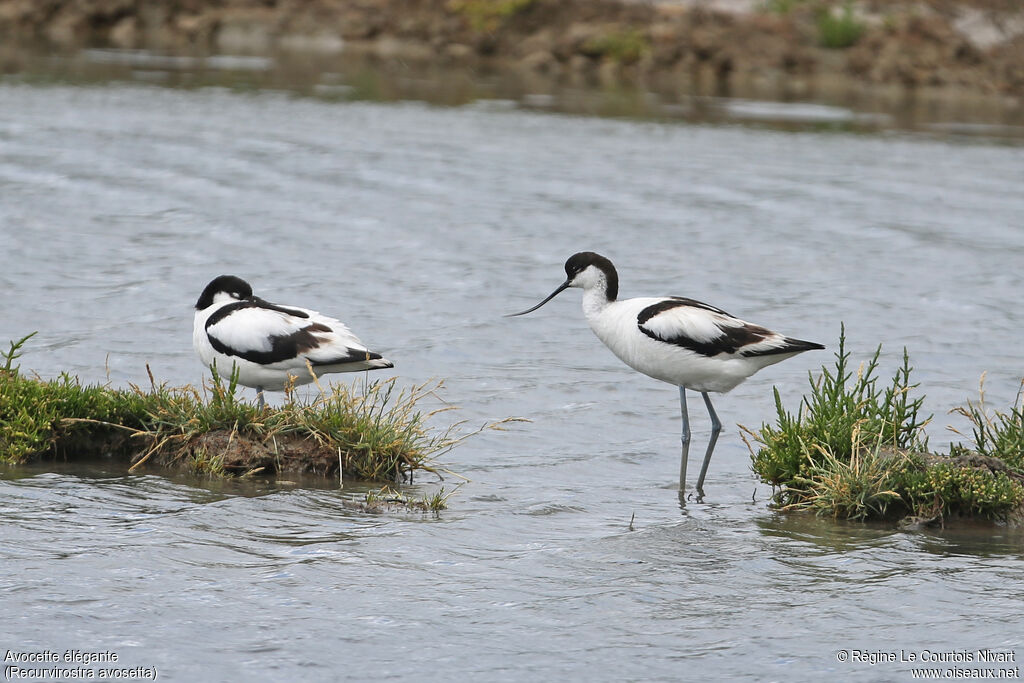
[[997, 435], [387, 497], [838, 31], [488, 15], [782, 7], [626, 46], [845, 412], [374, 432], [948, 489], [857, 450]]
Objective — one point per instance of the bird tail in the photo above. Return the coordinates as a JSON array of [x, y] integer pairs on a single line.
[[354, 366], [356, 361], [798, 345], [784, 346]]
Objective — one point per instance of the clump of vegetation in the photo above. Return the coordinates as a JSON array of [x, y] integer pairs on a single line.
[[625, 46], [782, 6], [375, 432], [387, 498], [856, 449], [38, 417], [961, 486], [997, 435], [488, 15], [842, 419], [839, 30]]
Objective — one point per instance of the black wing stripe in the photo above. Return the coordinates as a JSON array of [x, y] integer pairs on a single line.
[[730, 340], [676, 302], [282, 347], [225, 311]]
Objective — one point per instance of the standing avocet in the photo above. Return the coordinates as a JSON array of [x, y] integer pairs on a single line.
[[677, 340], [268, 345]]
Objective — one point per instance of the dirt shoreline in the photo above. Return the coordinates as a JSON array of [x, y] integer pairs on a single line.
[[973, 47]]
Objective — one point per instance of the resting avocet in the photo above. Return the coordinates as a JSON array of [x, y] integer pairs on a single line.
[[269, 345], [677, 340]]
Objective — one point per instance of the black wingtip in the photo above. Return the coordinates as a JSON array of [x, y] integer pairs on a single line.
[[788, 346], [801, 345]]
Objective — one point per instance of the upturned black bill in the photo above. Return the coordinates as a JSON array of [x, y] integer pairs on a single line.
[[563, 286]]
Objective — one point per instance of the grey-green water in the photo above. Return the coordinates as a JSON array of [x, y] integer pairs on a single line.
[[567, 555]]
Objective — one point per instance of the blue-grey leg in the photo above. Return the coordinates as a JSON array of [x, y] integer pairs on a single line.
[[685, 439], [259, 397], [716, 427]]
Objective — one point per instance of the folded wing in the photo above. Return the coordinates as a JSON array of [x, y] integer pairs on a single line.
[[710, 331], [268, 334]]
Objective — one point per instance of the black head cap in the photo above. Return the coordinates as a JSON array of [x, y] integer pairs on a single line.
[[577, 263], [229, 284]]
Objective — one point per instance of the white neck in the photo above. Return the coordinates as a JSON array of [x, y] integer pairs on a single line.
[[595, 299]]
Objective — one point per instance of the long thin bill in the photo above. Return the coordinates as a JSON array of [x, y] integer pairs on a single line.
[[561, 287]]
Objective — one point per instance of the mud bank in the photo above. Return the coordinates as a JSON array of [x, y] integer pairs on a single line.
[[790, 46], [221, 451]]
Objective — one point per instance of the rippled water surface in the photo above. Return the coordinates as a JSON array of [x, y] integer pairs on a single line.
[[567, 555]]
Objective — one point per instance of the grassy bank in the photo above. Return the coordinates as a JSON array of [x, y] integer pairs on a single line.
[[856, 449], [374, 432]]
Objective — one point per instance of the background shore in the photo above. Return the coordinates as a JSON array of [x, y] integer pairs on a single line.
[[791, 47]]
